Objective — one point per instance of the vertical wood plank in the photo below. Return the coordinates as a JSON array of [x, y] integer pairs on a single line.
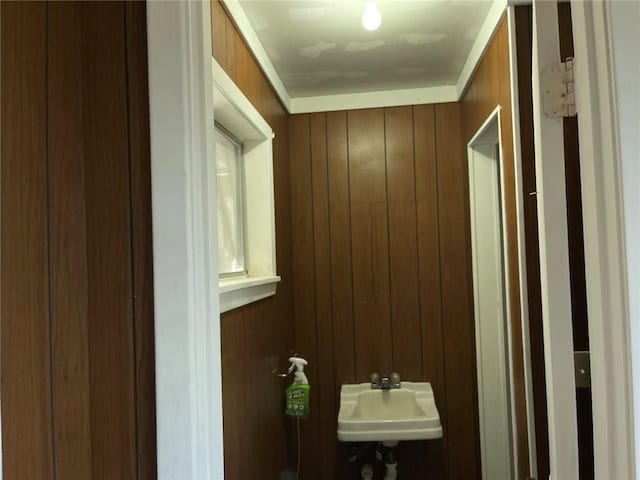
[[242, 66], [429, 270], [403, 248], [27, 443], [233, 380], [68, 240], [109, 243], [370, 245], [219, 33], [340, 230], [341, 272], [458, 320], [304, 285], [326, 397], [141, 231], [230, 40]]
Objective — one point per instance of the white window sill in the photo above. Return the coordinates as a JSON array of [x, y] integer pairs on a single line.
[[237, 292]]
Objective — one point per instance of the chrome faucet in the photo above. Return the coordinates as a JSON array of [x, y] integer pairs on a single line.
[[385, 382]]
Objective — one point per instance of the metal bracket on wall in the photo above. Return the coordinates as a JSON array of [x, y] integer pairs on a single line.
[[582, 368], [558, 94]]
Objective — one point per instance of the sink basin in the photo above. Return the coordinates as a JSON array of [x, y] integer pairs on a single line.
[[406, 413]]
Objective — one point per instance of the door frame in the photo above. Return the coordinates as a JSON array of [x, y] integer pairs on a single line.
[[554, 253], [604, 242], [188, 367], [605, 258], [187, 311], [494, 118]]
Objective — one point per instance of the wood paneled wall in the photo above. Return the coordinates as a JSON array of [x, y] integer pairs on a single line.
[[78, 396], [382, 273], [257, 339], [490, 87]]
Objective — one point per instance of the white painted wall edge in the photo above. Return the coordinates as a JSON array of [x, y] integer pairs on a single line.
[[487, 31], [604, 243], [380, 98], [386, 98], [255, 45], [187, 325], [522, 248], [624, 19]]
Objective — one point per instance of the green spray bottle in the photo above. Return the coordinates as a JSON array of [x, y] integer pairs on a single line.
[[297, 397]]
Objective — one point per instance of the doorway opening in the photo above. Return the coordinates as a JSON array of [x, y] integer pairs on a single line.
[[493, 348]]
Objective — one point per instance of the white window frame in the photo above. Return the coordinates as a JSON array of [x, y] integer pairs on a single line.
[[241, 271], [235, 113]]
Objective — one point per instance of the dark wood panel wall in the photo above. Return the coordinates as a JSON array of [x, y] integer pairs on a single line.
[[491, 87], [257, 339], [78, 396], [382, 271]]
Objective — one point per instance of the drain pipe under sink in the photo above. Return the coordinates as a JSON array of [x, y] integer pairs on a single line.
[[366, 472], [392, 471], [390, 462]]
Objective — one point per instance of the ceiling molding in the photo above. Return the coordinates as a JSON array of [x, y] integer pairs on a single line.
[[487, 31], [255, 45], [384, 98]]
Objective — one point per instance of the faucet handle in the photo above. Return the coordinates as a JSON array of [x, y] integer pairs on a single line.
[[395, 379], [375, 378]]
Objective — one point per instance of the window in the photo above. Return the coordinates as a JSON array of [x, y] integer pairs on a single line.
[[230, 194], [244, 193]]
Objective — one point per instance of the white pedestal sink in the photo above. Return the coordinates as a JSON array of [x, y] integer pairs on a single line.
[[406, 413]]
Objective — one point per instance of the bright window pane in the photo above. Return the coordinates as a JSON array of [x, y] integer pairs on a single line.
[[230, 209]]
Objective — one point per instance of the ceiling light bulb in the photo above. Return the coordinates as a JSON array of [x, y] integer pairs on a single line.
[[371, 18]]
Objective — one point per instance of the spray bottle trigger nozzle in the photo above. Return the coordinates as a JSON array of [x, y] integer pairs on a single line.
[[297, 363]]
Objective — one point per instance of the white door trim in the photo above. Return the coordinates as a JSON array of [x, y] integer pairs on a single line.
[[604, 243], [187, 325], [507, 354], [554, 254]]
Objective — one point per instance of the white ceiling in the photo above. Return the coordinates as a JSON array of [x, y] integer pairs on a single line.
[[320, 47]]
